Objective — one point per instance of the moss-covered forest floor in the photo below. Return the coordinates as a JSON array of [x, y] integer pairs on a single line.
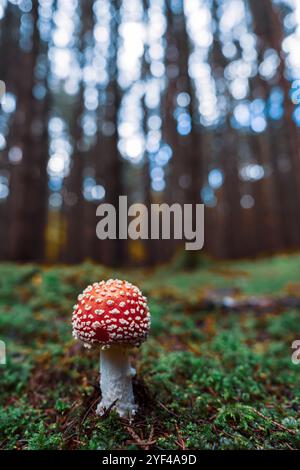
[[215, 373]]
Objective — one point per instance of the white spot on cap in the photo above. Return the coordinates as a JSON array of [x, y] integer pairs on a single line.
[[99, 312], [115, 311]]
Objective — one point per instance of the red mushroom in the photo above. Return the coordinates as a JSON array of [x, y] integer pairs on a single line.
[[114, 316]]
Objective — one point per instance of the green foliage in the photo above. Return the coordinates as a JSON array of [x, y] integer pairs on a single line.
[[40, 439], [206, 379], [16, 421]]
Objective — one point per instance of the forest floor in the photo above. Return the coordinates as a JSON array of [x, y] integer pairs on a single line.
[[215, 373]]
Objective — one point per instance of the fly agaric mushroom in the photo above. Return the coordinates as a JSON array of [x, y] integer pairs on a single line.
[[114, 316]]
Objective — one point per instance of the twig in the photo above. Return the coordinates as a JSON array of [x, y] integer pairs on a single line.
[[278, 425], [169, 411], [140, 442], [88, 410], [180, 441]]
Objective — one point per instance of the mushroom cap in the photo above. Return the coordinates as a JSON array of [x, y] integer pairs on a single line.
[[111, 313]]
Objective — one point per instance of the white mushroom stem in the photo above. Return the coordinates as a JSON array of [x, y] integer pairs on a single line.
[[116, 382]]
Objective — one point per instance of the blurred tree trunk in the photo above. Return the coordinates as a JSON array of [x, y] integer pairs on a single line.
[[229, 209], [9, 46], [9, 28], [186, 165], [111, 164], [191, 144], [187, 157], [74, 184], [269, 29], [75, 245], [114, 177], [150, 246], [267, 203], [169, 129], [28, 189]]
